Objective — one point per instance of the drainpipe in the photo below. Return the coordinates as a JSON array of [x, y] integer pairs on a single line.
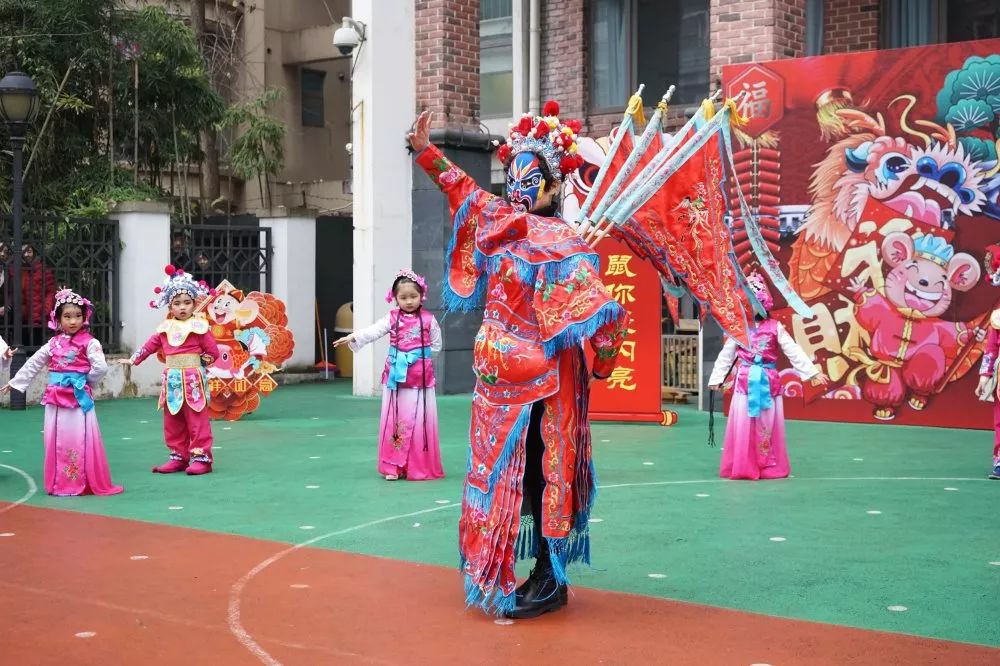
[[534, 57]]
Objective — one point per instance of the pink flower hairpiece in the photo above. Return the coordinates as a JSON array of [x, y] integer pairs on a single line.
[[68, 296], [409, 275]]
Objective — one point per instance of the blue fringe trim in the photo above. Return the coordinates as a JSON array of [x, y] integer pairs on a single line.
[[563, 552], [527, 539], [477, 498], [451, 301], [493, 601], [583, 330], [565, 269]]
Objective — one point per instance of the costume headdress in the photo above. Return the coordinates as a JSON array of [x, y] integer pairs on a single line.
[[409, 275], [551, 139], [178, 282], [992, 263], [68, 296], [759, 287]]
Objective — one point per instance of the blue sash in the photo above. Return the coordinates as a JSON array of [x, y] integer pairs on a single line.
[[758, 387], [78, 382], [400, 362]]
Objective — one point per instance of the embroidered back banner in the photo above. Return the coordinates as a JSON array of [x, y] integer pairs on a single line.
[[876, 177], [633, 392]]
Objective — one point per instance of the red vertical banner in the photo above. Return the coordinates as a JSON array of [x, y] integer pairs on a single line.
[[633, 391]]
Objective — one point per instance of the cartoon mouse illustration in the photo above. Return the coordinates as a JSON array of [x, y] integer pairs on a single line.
[[911, 347]]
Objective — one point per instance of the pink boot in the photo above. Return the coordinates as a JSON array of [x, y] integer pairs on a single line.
[[198, 467], [173, 465]]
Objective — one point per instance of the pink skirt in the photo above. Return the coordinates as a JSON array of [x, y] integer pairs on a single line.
[[754, 447], [409, 445], [75, 463]]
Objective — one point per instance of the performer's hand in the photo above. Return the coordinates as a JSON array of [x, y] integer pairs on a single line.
[[343, 341], [207, 359], [715, 387], [420, 137], [820, 380], [125, 361], [9, 353], [3, 310], [5, 389], [981, 389]]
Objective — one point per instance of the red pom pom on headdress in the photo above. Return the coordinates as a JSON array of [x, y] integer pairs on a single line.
[[170, 269], [503, 153], [551, 108]]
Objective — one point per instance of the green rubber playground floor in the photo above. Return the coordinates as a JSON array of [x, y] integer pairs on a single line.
[[874, 518]]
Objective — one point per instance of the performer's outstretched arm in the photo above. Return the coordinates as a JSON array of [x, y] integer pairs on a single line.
[[607, 345], [446, 175]]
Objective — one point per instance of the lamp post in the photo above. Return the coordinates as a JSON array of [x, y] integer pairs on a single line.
[[18, 107]]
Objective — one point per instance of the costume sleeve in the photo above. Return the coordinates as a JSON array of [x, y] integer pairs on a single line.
[[98, 364], [987, 367], [723, 363], [151, 346], [370, 334], [796, 355], [4, 361], [38, 362], [451, 180], [436, 341], [209, 346], [607, 345]]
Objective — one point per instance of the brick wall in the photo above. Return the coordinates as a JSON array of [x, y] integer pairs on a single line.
[[447, 51], [754, 30], [850, 25], [564, 56]]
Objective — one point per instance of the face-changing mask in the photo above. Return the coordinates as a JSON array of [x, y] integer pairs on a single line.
[[525, 181]]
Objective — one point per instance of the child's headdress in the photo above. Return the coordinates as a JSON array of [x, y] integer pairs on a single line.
[[759, 288], [992, 263], [551, 139], [409, 275], [64, 296], [178, 282]]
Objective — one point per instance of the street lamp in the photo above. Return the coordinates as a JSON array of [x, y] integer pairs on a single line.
[[18, 107]]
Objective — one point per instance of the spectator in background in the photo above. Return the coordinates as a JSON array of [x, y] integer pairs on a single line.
[[179, 251], [38, 295]]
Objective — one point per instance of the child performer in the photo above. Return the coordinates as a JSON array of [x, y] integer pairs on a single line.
[[408, 433], [987, 389], [75, 463], [186, 342], [755, 432]]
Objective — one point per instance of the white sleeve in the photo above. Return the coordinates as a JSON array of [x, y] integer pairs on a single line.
[[38, 362], [723, 363], [4, 361], [436, 342], [368, 335], [98, 364], [796, 355]]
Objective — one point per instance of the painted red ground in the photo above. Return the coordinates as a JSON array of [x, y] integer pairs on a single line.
[[63, 573]]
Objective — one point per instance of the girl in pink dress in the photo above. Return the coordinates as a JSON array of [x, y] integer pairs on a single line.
[[408, 433], [755, 432], [187, 346], [75, 463]]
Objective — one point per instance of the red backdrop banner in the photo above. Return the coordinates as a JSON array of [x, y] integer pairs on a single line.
[[879, 172], [633, 392]]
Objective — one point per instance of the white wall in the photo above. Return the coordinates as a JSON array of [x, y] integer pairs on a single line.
[[384, 97], [293, 278]]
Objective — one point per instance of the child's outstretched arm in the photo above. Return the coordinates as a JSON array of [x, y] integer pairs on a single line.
[[98, 364], [5, 353], [151, 346], [723, 365], [209, 348], [797, 357], [38, 361], [365, 336]]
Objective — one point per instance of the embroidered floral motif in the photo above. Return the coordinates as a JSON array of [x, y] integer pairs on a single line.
[[72, 468]]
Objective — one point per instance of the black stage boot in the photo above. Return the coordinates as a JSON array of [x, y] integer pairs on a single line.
[[539, 594]]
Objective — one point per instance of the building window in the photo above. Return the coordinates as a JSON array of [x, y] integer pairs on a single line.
[[647, 41], [496, 59], [922, 22], [313, 114]]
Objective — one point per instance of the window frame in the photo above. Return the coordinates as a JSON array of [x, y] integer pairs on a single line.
[[303, 73]]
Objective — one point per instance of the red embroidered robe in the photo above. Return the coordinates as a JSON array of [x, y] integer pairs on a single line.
[[543, 298]]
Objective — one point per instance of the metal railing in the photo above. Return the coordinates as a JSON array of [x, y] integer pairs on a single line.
[[680, 363], [80, 253], [240, 252]]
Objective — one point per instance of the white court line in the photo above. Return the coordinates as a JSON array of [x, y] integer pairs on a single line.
[[32, 488], [233, 615], [798, 478]]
